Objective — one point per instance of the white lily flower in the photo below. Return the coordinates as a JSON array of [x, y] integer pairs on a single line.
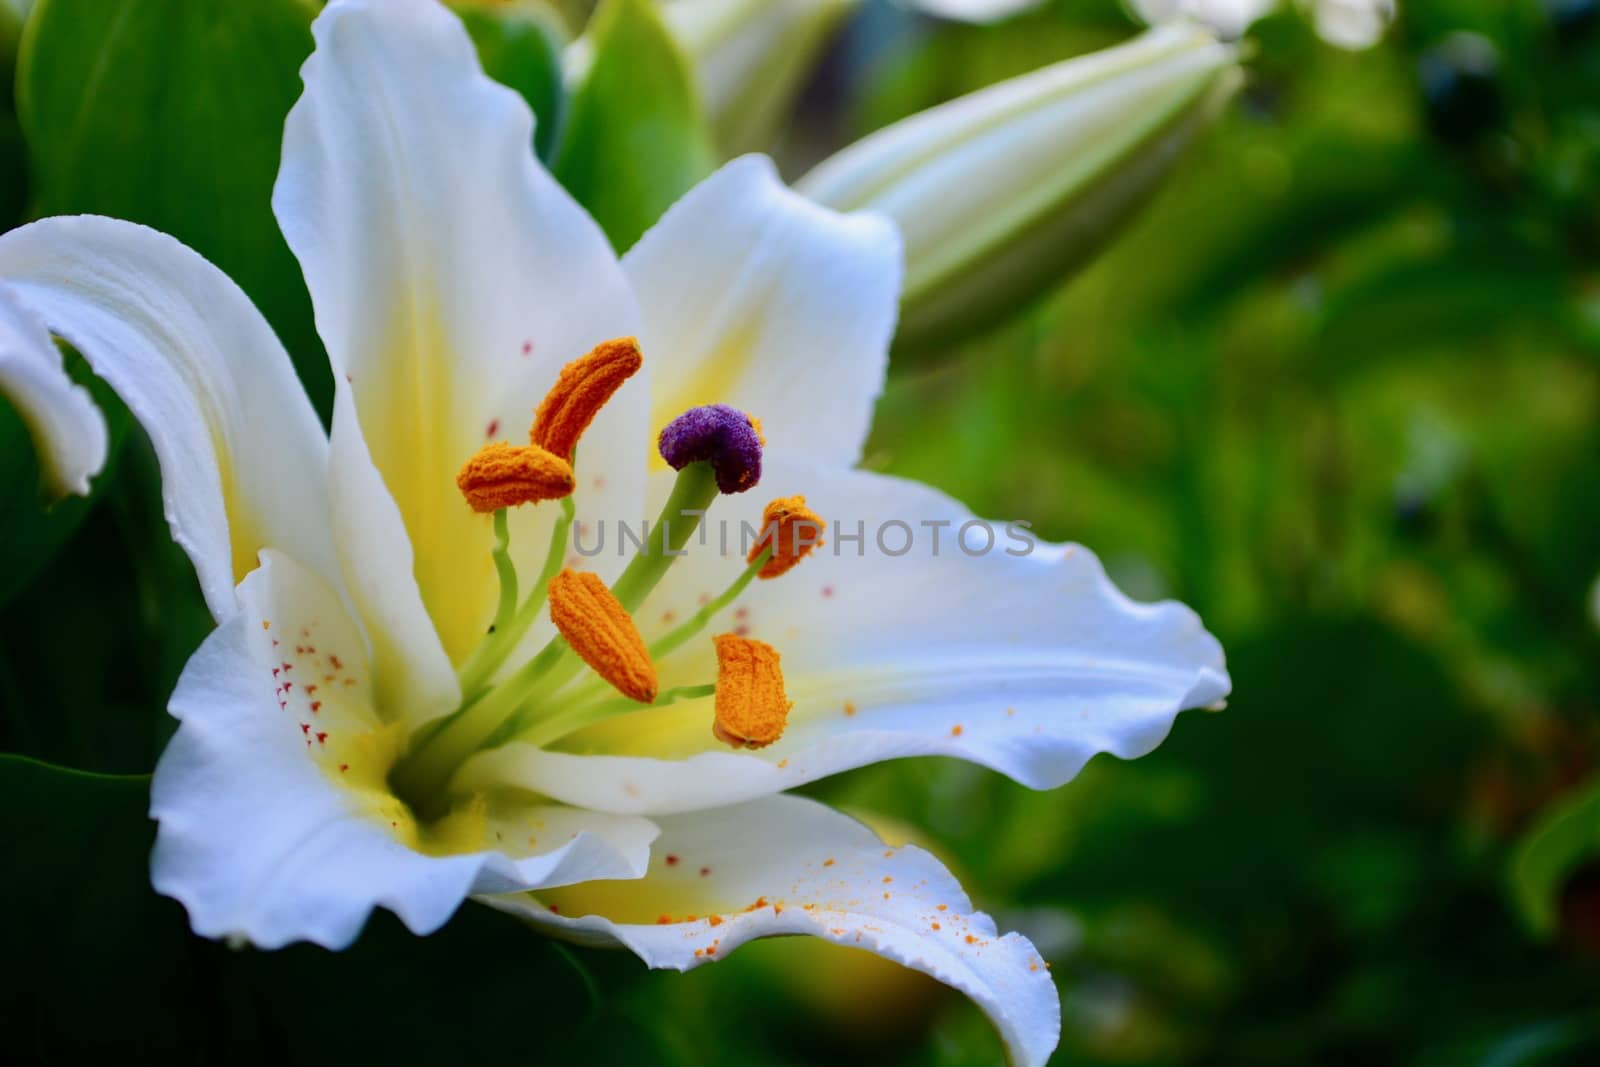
[[350, 738], [68, 431]]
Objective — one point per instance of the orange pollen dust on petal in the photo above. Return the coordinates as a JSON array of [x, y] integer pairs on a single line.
[[602, 633], [792, 529], [752, 708], [582, 389], [503, 476]]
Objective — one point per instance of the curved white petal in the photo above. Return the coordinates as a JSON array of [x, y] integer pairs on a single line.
[[451, 275], [276, 824], [1029, 665], [68, 431], [785, 865], [412, 676], [753, 296], [243, 457]]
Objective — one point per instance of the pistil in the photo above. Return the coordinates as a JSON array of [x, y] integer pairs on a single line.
[[692, 494], [715, 448]]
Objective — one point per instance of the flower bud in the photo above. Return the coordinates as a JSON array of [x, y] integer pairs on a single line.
[[751, 58], [1003, 193]]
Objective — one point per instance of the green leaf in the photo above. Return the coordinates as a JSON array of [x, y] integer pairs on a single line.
[[13, 171], [96, 962], [635, 139], [90, 950], [520, 47], [30, 532], [1566, 835], [170, 113]]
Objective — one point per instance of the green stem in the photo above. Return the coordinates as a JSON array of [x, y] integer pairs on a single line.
[[675, 638], [509, 630], [680, 635], [692, 494], [422, 776], [506, 571], [558, 726]]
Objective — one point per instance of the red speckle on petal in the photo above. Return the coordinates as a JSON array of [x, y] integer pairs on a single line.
[[827, 591], [316, 706], [527, 350], [492, 429], [672, 861]]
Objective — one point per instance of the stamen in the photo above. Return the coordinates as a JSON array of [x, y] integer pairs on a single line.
[[790, 530], [751, 707], [505, 476], [581, 391], [580, 715], [503, 639], [602, 633], [723, 436]]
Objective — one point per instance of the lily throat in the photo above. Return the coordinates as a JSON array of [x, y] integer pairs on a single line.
[[598, 664]]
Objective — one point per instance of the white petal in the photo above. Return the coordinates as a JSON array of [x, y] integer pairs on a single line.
[[785, 865], [275, 820], [68, 431], [753, 296], [243, 457], [1028, 665], [451, 275], [413, 679]]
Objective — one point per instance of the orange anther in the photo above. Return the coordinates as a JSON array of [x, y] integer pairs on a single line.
[[602, 633], [751, 706], [581, 390], [791, 529], [503, 476]]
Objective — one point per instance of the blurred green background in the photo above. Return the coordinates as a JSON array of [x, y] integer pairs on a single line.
[[1338, 389]]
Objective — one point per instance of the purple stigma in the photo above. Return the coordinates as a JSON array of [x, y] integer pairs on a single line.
[[720, 435]]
